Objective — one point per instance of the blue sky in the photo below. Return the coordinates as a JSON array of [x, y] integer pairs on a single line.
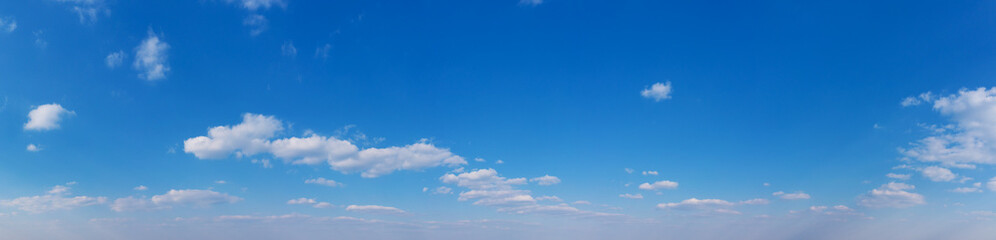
[[262, 119]]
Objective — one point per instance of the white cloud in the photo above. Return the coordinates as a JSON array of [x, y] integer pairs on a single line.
[[254, 136], [141, 188], [628, 170], [322, 205], [971, 137], [898, 176], [658, 92], [114, 59], [581, 202], [893, 195], [374, 209], [479, 160], [185, 197], [8, 24], [301, 201], [546, 180], [991, 184], [288, 49], [86, 10], [33, 148], [324, 182], [974, 189], [791, 196], [443, 190], [253, 5], [257, 24], [647, 173], [659, 185], [46, 117], [549, 198], [220, 182], [710, 205], [151, 57], [631, 196], [499, 161], [917, 100], [39, 41], [56, 199], [938, 174]]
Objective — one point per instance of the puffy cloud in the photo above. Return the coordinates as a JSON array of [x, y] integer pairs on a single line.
[[892, 195], [971, 137], [324, 182], [185, 197], [659, 185], [46, 117], [791, 196], [374, 209], [938, 174], [658, 92], [33, 148], [647, 173], [7, 24], [546, 180], [631, 196], [56, 199], [898, 176], [150, 58], [254, 136]]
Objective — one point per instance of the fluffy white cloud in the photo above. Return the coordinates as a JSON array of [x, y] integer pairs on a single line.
[[971, 137], [33, 148], [374, 209], [791, 196], [185, 197], [893, 195], [659, 185], [56, 199], [254, 136], [151, 57], [649, 173], [546, 180], [114, 59], [323, 181], [898, 176], [46, 117], [7, 24], [658, 92], [631, 196]]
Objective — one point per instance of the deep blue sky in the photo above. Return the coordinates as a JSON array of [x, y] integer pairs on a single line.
[[804, 98]]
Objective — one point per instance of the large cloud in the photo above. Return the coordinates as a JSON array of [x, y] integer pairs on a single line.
[[46, 117], [971, 139], [255, 135]]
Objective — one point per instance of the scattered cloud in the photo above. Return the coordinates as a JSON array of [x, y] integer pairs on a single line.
[[151, 58], [658, 92], [659, 185], [86, 10], [39, 40], [969, 139], [546, 180], [791, 196], [648, 173], [33, 148], [374, 209], [46, 117], [487, 188], [549, 198], [976, 188], [938, 174], [8, 24], [288, 49], [917, 100], [256, 23], [898, 176], [114, 59], [991, 184], [323, 51], [324, 182], [141, 188], [891, 195], [256, 132], [309, 201], [253, 5], [709, 205], [631, 196], [56, 199], [186, 197], [628, 170]]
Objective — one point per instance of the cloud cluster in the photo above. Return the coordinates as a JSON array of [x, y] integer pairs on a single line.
[[56, 199], [972, 137], [255, 135], [891, 195], [185, 197]]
